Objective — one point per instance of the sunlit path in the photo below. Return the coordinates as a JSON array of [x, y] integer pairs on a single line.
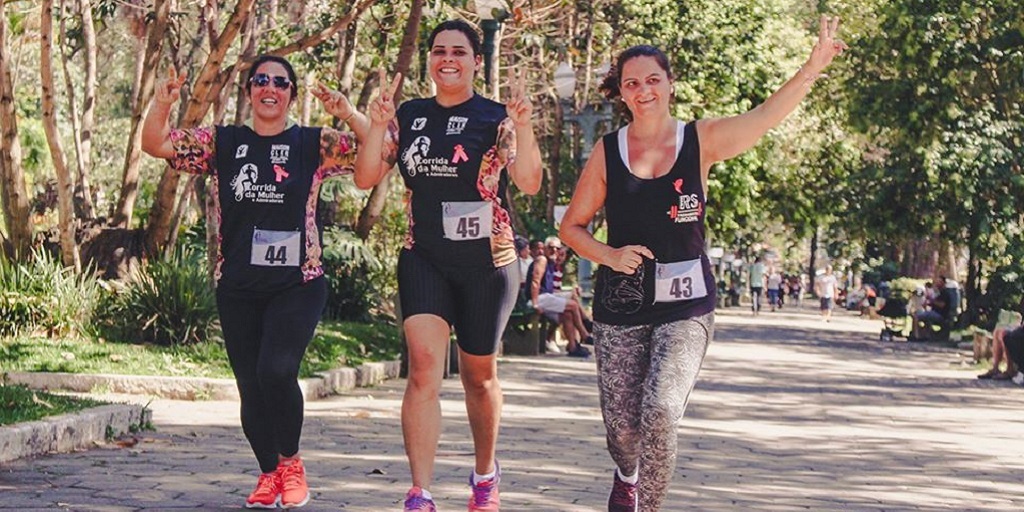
[[790, 414]]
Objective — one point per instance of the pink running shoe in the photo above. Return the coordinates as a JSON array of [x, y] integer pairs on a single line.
[[623, 497], [485, 494], [416, 502]]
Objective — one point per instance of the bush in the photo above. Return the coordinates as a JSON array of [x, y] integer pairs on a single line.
[[349, 265], [1004, 291], [169, 301], [904, 287], [44, 294]]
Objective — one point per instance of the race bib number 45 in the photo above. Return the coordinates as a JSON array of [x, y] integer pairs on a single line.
[[467, 220], [683, 280], [275, 248]]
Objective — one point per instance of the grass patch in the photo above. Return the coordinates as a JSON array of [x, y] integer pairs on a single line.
[[335, 344], [350, 344], [18, 404]]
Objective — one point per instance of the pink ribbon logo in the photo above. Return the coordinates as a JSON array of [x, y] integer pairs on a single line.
[[279, 173], [460, 152]]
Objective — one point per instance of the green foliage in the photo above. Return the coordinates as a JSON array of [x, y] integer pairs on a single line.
[[19, 404], [1004, 291], [904, 286], [348, 263], [43, 294], [169, 302]]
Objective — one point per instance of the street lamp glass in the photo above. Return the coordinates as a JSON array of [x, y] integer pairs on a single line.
[[486, 9], [565, 80]]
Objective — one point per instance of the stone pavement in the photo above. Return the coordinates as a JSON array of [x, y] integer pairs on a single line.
[[790, 414]]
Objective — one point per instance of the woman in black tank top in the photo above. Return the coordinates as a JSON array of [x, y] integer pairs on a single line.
[[655, 294]]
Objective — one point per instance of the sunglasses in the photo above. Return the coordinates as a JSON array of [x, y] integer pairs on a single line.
[[263, 80]]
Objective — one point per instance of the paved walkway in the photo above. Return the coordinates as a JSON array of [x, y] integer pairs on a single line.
[[790, 414]]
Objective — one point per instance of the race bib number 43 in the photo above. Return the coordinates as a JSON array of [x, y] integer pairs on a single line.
[[683, 280], [467, 220], [275, 248]]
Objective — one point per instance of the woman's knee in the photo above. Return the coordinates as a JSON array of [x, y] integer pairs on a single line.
[[660, 419], [278, 374]]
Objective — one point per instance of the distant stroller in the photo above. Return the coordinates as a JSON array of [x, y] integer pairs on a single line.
[[895, 315]]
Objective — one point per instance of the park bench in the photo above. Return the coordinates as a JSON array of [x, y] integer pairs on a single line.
[[526, 332]]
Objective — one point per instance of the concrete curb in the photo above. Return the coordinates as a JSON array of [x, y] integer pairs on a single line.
[[68, 432], [197, 388]]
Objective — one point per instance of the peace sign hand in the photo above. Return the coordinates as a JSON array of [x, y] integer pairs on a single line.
[[827, 47], [168, 89], [382, 108], [519, 107], [335, 103]]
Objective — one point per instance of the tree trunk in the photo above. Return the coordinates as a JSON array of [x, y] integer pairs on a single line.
[[88, 109], [130, 175], [65, 188], [378, 197], [12, 179], [347, 57], [812, 264], [83, 159]]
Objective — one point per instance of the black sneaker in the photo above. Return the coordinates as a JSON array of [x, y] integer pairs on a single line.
[[579, 351]]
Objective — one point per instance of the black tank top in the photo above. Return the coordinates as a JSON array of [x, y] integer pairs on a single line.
[[265, 189], [448, 157], [665, 214]]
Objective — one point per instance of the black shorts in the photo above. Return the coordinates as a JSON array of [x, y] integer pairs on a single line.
[[1014, 342], [476, 302]]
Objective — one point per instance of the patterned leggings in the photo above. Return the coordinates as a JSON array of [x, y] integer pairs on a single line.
[[645, 375]]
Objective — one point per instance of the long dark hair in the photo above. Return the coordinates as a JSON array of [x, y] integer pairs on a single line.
[[611, 83], [461, 26], [272, 58]]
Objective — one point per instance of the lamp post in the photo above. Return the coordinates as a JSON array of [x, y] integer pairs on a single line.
[[492, 13], [589, 118]]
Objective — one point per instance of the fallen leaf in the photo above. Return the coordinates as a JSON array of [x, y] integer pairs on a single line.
[[40, 401], [127, 443]]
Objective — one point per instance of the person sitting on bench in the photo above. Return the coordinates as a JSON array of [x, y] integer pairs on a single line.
[[938, 312]]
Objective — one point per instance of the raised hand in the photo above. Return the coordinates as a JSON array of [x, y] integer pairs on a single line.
[[168, 89], [518, 106], [628, 258], [335, 103], [827, 47], [382, 108]]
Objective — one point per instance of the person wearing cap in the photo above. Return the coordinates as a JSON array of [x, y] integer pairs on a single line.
[[556, 305]]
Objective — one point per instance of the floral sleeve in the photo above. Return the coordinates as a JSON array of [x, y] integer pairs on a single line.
[[337, 153], [193, 150], [389, 153], [506, 142]]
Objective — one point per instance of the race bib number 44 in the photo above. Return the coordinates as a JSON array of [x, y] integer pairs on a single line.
[[275, 248], [467, 220], [683, 280]]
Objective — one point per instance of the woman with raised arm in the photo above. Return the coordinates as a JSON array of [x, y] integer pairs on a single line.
[[654, 298], [265, 181], [456, 152]]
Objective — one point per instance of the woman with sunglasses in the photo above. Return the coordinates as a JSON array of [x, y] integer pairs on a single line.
[[265, 181], [654, 299], [456, 152]]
